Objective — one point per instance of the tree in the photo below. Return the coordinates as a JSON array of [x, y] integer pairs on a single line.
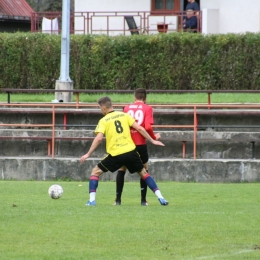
[[54, 6], [48, 5]]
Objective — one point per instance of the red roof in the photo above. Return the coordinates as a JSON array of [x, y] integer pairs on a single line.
[[14, 8]]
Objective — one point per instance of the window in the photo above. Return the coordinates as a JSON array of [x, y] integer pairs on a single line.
[[159, 6]]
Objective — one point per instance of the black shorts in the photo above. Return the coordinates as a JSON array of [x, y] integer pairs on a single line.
[[142, 150], [131, 160]]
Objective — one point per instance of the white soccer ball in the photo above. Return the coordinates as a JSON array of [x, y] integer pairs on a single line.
[[55, 191]]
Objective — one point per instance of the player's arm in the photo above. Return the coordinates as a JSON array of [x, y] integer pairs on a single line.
[[150, 131], [98, 139], [148, 124], [143, 132]]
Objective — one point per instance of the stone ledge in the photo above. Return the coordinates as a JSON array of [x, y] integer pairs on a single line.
[[179, 170], [169, 135]]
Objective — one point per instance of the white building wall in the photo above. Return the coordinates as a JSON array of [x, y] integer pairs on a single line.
[[115, 23], [112, 5], [218, 16], [210, 21], [235, 16]]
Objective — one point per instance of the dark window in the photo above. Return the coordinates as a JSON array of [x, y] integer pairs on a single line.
[[165, 5], [169, 5], [159, 4]]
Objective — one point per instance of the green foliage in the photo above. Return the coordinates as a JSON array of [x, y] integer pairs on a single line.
[[202, 221], [48, 5], [162, 61]]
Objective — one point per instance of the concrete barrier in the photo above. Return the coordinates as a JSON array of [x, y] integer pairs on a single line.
[[223, 154], [180, 170], [210, 144]]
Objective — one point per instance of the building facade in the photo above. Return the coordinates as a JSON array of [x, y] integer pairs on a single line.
[[15, 15], [216, 16]]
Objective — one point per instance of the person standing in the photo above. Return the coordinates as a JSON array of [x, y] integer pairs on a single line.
[[192, 5], [143, 115], [120, 147]]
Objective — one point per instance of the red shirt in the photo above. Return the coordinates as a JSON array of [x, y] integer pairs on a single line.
[[143, 115]]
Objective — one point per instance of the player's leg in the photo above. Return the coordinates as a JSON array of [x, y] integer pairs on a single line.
[[120, 179], [143, 187], [133, 163], [93, 184], [142, 150], [153, 186], [108, 163]]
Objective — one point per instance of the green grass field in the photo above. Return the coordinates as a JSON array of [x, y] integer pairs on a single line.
[[151, 98], [202, 221]]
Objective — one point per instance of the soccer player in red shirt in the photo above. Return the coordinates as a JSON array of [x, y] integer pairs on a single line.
[[143, 115]]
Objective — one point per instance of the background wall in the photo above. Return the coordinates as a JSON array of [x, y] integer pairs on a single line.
[[112, 5], [115, 23], [235, 16]]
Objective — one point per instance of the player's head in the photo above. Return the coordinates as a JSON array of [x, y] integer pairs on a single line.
[[105, 104], [140, 94]]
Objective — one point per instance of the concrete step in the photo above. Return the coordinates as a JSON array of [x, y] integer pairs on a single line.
[[219, 119], [210, 144], [181, 170]]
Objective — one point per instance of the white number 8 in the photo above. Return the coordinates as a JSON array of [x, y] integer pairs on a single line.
[[138, 115]]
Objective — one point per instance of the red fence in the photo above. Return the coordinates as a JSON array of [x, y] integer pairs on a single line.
[[195, 110], [115, 23]]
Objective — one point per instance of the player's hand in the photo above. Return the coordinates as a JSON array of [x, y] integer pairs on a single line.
[[158, 143], [84, 157], [157, 136]]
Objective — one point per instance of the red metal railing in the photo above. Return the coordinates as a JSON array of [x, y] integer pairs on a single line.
[[114, 23], [196, 110]]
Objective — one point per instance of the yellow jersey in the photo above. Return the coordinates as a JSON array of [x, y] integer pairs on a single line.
[[116, 127]]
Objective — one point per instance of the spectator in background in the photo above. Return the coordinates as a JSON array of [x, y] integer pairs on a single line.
[[190, 21], [192, 5]]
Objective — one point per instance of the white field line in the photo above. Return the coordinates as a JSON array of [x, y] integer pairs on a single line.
[[222, 255]]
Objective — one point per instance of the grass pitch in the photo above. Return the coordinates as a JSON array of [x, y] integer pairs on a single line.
[[152, 98], [202, 221]]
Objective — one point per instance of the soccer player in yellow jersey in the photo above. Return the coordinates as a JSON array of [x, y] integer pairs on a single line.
[[120, 148]]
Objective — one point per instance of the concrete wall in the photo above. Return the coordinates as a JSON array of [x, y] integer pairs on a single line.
[[226, 154], [210, 144], [162, 170]]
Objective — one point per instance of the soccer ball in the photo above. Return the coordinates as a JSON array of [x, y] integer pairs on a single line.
[[55, 191]]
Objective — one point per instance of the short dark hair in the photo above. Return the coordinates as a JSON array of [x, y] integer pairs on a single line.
[[105, 101], [140, 94]]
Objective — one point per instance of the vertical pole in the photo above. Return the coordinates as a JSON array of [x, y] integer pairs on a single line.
[[209, 102], [53, 131], [32, 21], [195, 134], [183, 149], [65, 42], [64, 82], [49, 147], [77, 99], [64, 121]]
